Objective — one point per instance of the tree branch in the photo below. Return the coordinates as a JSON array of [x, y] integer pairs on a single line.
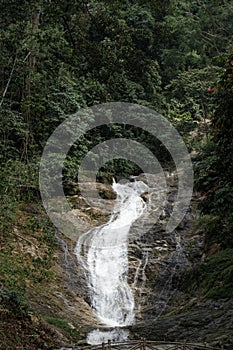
[[9, 80]]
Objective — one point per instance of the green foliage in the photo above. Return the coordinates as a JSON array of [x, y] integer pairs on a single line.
[[217, 229], [13, 302], [214, 165], [193, 85], [72, 331], [18, 180], [181, 117], [118, 169], [213, 277], [193, 37], [60, 56], [9, 196], [69, 56]]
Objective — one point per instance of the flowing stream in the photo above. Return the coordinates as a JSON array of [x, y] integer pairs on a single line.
[[103, 252]]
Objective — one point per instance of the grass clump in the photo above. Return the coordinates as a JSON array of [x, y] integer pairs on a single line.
[[65, 326]]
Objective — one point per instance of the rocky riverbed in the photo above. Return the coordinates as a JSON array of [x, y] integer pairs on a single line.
[[207, 322]]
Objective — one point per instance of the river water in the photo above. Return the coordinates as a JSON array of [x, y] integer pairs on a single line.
[[103, 252]]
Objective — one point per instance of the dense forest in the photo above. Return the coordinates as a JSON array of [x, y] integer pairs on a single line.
[[57, 57]]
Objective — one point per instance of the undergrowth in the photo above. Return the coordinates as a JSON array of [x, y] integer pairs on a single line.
[[65, 326], [213, 278]]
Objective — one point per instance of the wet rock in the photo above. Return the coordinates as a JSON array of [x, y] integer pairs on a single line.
[[145, 196], [157, 260], [202, 324], [89, 189]]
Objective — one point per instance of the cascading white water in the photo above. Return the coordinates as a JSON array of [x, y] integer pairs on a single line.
[[103, 251]]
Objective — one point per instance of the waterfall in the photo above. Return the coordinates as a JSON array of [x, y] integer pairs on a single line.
[[103, 252]]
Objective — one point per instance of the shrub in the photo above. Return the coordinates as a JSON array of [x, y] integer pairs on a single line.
[[13, 301]]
